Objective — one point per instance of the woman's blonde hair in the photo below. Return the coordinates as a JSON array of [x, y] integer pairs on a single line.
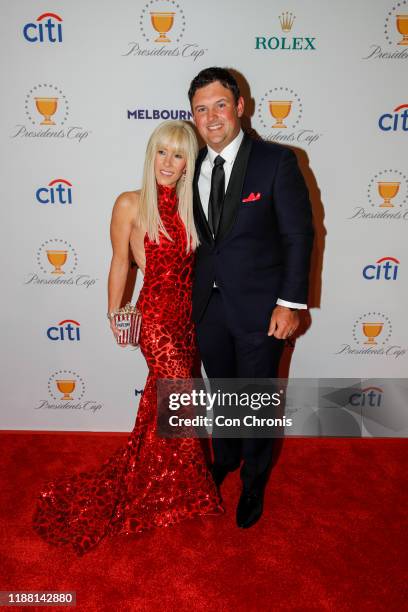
[[180, 136]]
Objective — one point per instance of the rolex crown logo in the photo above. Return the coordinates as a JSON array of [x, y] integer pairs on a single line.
[[286, 21]]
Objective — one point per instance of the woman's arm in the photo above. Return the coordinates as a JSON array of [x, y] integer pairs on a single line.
[[120, 229]]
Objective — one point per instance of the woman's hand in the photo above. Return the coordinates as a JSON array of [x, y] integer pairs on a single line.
[[115, 331]]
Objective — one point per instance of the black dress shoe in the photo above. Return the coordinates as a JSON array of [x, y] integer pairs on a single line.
[[218, 473], [249, 509]]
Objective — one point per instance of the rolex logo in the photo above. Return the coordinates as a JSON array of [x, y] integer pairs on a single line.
[[277, 42], [286, 20]]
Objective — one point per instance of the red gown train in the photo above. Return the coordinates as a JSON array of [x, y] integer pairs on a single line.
[[149, 481]]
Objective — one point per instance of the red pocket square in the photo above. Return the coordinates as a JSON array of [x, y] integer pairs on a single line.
[[253, 197]]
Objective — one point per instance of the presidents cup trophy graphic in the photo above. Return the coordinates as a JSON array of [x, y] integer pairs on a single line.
[[57, 259], [162, 23], [47, 107], [388, 190], [279, 102], [371, 331], [280, 109], [402, 27], [66, 387]]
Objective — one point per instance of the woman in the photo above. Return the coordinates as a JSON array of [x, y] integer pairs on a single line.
[[150, 481]]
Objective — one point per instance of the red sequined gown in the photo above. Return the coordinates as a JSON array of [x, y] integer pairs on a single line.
[[149, 481]]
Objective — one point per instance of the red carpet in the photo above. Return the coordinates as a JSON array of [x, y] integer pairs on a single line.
[[333, 535]]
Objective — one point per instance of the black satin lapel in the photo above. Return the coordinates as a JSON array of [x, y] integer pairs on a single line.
[[199, 216], [232, 199]]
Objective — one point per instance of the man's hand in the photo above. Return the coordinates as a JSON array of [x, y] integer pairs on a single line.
[[284, 322]]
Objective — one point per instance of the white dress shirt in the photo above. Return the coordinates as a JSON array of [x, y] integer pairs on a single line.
[[204, 185]]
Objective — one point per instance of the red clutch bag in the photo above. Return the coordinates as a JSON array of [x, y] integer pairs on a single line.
[[129, 321]]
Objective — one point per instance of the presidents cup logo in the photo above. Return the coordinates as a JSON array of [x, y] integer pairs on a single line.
[[47, 111], [395, 30], [57, 262], [372, 328], [280, 112], [277, 42], [57, 257], [387, 197], [162, 25], [371, 335], [46, 105], [66, 390], [46, 28], [158, 22], [58, 191], [66, 385]]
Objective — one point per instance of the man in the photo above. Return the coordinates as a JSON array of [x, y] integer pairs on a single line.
[[253, 216]]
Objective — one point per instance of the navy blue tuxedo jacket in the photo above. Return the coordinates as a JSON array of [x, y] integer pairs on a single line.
[[263, 247]]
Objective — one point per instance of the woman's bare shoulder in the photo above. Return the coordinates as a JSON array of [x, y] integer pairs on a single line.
[[127, 200], [125, 206]]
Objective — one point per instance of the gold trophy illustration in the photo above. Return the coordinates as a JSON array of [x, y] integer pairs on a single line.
[[66, 387], [280, 109], [162, 23], [57, 259], [402, 27], [371, 331], [47, 107], [388, 190]]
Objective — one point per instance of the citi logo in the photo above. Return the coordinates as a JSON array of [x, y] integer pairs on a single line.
[[58, 191], [46, 28], [64, 330], [370, 396], [385, 268], [396, 120]]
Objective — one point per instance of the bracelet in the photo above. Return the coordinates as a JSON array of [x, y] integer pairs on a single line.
[[111, 315]]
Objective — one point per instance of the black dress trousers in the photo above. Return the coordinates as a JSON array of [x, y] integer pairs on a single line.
[[227, 353]]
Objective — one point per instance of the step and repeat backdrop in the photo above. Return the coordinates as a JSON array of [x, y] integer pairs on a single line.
[[83, 86]]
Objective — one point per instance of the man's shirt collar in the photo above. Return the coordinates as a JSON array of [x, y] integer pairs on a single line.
[[229, 153]]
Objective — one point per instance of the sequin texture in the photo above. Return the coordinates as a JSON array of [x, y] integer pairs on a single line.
[[149, 481]]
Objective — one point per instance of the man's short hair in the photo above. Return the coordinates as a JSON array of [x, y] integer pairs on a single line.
[[210, 75]]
